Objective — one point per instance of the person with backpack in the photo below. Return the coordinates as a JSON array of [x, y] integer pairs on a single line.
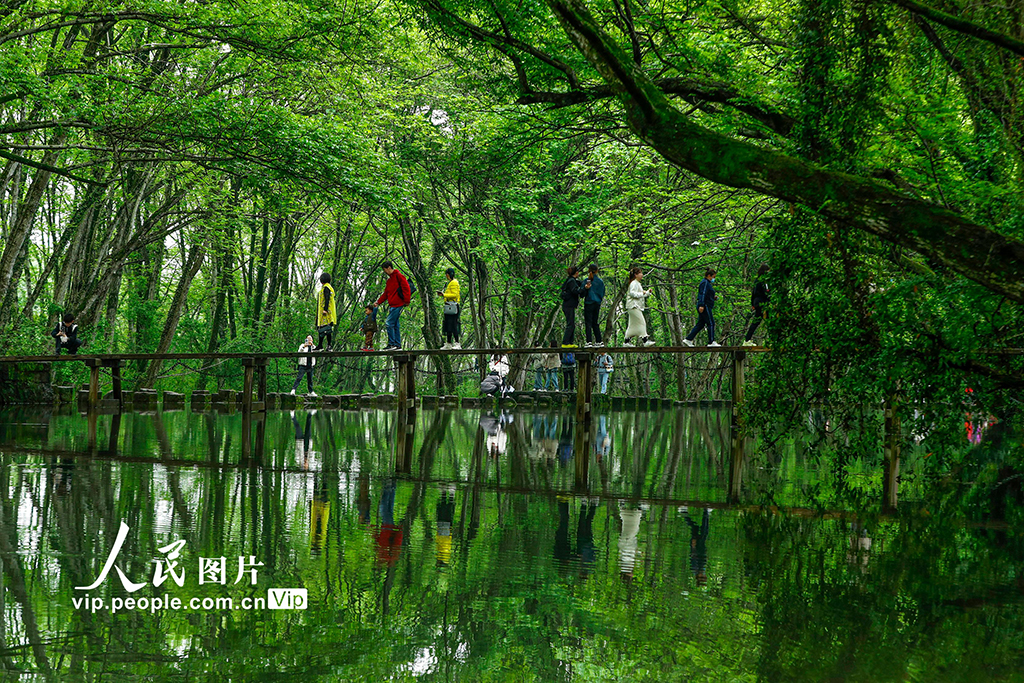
[[572, 289], [636, 302], [758, 300], [398, 294], [66, 335], [592, 306], [451, 327], [705, 309], [569, 370], [326, 312]]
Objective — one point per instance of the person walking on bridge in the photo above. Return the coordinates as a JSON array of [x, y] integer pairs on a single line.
[[705, 309], [572, 290], [451, 327], [636, 302], [758, 300], [592, 306], [398, 294], [326, 312]]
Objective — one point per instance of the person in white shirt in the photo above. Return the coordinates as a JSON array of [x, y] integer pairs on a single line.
[[636, 299], [307, 347]]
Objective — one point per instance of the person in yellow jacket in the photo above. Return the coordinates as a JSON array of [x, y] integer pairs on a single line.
[[326, 312], [451, 328]]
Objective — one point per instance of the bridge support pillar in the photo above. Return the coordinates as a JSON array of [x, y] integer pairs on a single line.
[[405, 386], [891, 456], [254, 377], [737, 438], [584, 387], [94, 365]]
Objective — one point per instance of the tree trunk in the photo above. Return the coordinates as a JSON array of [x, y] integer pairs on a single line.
[[195, 260]]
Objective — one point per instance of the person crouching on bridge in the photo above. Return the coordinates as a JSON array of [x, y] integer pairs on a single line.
[[306, 364], [398, 294], [705, 309], [636, 302], [66, 334], [451, 327], [326, 312]]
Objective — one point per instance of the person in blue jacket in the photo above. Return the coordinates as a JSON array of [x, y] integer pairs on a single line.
[[592, 306], [705, 309]]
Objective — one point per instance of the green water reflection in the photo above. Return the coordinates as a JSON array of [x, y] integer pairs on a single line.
[[477, 546]]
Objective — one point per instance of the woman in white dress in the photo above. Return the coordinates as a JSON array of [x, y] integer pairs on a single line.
[[636, 297]]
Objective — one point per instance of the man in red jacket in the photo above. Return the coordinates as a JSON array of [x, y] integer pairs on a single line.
[[398, 295]]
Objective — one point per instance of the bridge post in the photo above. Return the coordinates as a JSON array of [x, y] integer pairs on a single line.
[[584, 387], [115, 373], [891, 456], [94, 382], [405, 387], [261, 384], [249, 367], [736, 436]]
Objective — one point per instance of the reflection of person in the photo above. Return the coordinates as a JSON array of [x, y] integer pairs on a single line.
[[302, 438], [699, 545], [627, 539], [602, 444], [565, 443], [585, 534], [363, 497], [389, 538], [563, 551], [319, 511], [860, 544], [445, 515], [494, 426]]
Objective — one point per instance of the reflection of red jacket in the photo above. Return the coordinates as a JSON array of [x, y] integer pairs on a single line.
[[389, 544], [396, 292]]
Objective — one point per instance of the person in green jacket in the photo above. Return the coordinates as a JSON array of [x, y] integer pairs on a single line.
[[326, 312]]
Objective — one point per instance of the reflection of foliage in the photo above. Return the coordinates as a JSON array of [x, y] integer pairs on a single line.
[[936, 595]]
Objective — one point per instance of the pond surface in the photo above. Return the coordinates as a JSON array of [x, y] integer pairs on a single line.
[[477, 546]]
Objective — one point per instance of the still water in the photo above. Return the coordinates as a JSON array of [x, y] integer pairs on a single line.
[[478, 546]]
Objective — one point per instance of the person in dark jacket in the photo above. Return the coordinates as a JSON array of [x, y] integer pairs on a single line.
[[569, 370], [66, 335], [705, 309], [592, 305], [758, 301], [369, 326], [572, 290]]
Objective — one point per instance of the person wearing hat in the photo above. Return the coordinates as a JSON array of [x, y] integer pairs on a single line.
[[451, 327], [592, 306]]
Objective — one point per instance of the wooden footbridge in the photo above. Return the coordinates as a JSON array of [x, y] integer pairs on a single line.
[[254, 384]]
